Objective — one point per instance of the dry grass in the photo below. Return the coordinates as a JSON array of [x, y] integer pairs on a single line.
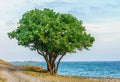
[[4, 62], [2, 79], [33, 68], [46, 77], [38, 71]]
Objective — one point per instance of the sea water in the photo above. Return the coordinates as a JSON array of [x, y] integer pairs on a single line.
[[86, 69]]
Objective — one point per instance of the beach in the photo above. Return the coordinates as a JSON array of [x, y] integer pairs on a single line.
[[107, 69], [11, 73]]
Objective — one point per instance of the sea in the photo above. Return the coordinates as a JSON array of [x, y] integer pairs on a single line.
[[110, 69]]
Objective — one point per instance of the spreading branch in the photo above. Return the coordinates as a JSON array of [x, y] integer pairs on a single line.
[[40, 52], [59, 61]]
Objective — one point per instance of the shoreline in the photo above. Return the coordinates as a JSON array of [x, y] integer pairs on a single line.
[[89, 77], [95, 79], [67, 74], [66, 78], [31, 72]]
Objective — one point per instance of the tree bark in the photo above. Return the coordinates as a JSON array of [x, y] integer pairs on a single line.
[[59, 62], [50, 59], [52, 65]]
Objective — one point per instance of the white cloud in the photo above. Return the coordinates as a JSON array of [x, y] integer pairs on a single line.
[[111, 27], [108, 32], [11, 11]]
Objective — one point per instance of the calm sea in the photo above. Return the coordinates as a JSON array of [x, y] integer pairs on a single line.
[[87, 69]]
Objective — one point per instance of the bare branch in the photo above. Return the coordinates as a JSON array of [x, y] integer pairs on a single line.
[[59, 61], [40, 52]]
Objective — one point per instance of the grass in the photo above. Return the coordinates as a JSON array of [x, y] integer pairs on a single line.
[[2, 79], [33, 68], [47, 77], [4, 62]]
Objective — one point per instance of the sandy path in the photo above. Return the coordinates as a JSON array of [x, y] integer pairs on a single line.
[[13, 74]]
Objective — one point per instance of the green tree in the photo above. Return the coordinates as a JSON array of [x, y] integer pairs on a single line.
[[52, 35]]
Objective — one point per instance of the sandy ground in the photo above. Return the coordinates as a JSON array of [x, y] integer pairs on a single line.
[[13, 74], [105, 79]]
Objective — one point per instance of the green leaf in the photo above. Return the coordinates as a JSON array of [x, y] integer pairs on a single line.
[[51, 31]]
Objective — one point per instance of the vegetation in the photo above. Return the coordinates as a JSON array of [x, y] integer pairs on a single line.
[[46, 77], [2, 79], [33, 68], [52, 35], [4, 62]]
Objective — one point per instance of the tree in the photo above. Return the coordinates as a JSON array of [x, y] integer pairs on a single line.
[[52, 35]]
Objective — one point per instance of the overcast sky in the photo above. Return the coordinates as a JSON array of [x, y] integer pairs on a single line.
[[100, 17]]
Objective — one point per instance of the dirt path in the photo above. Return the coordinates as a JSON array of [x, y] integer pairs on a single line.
[[13, 74]]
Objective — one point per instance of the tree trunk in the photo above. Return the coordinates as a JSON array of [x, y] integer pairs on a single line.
[[48, 68], [51, 67], [50, 59]]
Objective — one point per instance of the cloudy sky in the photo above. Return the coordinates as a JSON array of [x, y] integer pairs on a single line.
[[100, 17]]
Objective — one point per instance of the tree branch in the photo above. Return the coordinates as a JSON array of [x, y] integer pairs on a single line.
[[59, 61], [40, 52]]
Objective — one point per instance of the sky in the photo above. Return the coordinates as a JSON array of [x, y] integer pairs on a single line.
[[100, 17]]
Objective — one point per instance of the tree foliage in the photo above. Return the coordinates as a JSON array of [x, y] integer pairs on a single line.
[[51, 34]]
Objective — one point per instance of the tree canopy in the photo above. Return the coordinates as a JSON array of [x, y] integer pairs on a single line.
[[51, 34]]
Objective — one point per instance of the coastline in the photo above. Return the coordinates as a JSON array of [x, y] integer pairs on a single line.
[[33, 74], [38, 73], [66, 78], [89, 77], [99, 69]]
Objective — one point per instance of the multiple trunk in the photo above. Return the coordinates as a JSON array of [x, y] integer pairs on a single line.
[[52, 65]]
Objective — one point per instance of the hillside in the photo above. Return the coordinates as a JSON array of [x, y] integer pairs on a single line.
[[11, 73], [4, 62]]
